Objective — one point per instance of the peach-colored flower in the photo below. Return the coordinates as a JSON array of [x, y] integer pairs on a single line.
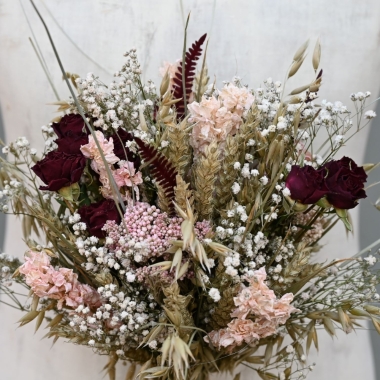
[[243, 330], [214, 119], [220, 338], [236, 99], [258, 313], [91, 151], [62, 284]]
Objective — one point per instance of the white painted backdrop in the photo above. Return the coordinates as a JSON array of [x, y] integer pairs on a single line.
[[255, 39]]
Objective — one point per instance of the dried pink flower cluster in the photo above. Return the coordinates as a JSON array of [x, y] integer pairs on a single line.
[[149, 230], [62, 284], [215, 119], [313, 234], [258, 302], [125, 176]]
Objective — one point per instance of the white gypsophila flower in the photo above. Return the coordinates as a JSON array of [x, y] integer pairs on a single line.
[[237, 165], [289, 349], [164, 143], [235, 188], [371, 260], [264, 180], [286, 192], [245, 173], [338, 139], [370, 114], [214, 294], [5, 149]]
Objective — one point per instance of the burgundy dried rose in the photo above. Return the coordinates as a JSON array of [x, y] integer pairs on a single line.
[[121, 151], [59, 169], [97, 214], [345, 183], [69, 123], [71, 134], [306, 184]]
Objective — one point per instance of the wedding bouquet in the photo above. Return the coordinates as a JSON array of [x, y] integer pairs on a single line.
[[178, 229]]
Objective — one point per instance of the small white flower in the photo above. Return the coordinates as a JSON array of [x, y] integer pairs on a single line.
[[91, 342], [164, 143], [289, 349], [237, 165], [264, 180], [235, 188], [370, 115], [338, 139], [286, 192], [371, 260], [5, 149], [130, 277], [214, 294]]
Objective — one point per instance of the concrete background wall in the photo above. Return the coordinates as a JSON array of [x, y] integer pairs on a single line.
[[254, 39]]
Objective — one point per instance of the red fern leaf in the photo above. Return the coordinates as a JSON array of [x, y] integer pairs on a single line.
[[160, 168], [191, 58]]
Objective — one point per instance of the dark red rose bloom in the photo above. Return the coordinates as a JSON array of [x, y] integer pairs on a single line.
[[345, 183], [59, 169], [306, 184], [72, 123], [72, 133], [121, 151], [96, 215]]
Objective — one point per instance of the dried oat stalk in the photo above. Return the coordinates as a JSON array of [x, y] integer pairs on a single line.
[[205, 176]]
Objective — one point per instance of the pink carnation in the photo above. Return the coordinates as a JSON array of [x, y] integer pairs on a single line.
[[91, 151], [62, 284]]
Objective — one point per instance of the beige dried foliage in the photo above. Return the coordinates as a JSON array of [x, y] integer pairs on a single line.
[[205, 175]]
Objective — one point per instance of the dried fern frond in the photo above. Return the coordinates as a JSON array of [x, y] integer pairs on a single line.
[[191, 58], [161, 169], [205, 176]]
